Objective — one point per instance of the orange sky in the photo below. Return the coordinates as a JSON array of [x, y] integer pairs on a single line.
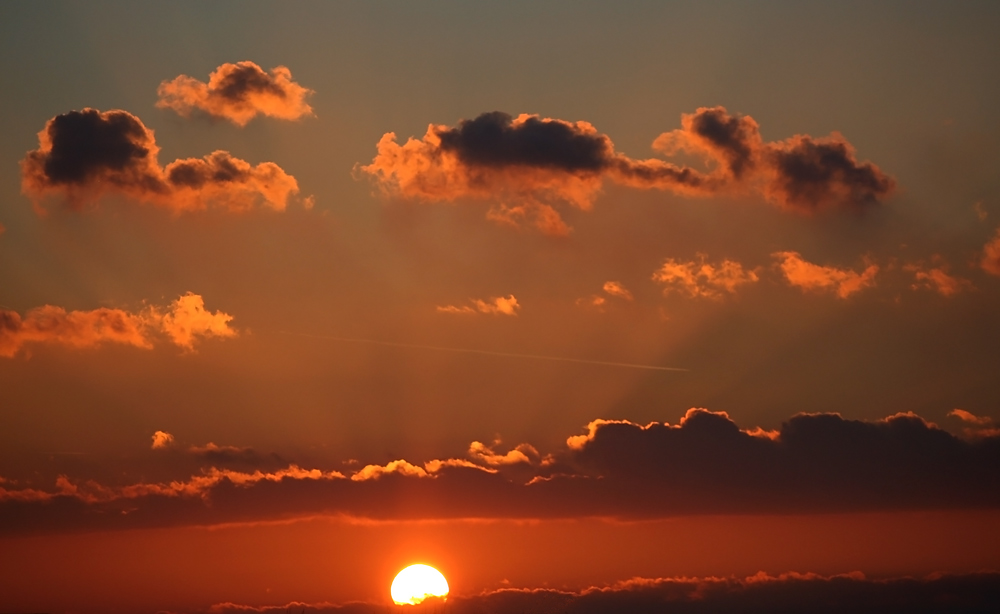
[[554, 296]]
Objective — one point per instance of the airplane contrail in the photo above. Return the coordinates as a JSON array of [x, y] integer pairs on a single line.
[[605, 363]]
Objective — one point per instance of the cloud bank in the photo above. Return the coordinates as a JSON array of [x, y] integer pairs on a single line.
[[528, 165], [83, 155], [705, 464], [761, 593], [184, 322], [237, 92]]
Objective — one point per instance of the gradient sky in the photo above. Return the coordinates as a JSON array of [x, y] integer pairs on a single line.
[[717, 296]]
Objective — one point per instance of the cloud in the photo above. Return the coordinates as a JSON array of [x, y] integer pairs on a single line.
[[976, 426], [937, 279], [237, 92], [162, 439], [497, 305], [817, 278], [614, 288], [188, 320], [990, 261], [701, 279], [185, 322], [529, 165], [83, 155], [756, 594], [704, 464]]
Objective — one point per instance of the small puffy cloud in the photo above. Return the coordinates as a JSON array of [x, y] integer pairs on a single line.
[[237, 92], [529, 165], [185, 321], [497, 305], [162, 439], [400, 467], [990, 261], [936, 279], [814, 277], [616, 289], [702, 279], [188, 320], [83, 155]]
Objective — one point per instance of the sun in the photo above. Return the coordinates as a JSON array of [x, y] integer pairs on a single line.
[[416, 583]]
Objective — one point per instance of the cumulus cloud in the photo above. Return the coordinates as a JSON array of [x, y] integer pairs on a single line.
[[976, 426], [937, 279], [702, 279], [162, 439], [817, 278], [497, 305], [83, 155], [185, 322], [529, 165], [990, 261], [237, 92]]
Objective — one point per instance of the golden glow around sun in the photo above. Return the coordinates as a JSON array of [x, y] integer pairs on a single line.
[[416, 583]]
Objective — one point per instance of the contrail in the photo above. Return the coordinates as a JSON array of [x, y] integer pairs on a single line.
[[626, 365]]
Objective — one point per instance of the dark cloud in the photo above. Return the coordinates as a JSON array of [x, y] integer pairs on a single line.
[[83, 155], [528, 165], [792, 593], [816, 463]]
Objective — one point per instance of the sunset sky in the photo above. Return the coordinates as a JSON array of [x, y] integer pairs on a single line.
[[592, 306]]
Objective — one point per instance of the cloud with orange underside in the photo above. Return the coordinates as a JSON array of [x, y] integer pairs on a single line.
[[84, 155], [237, 92], [936, 279], [185, 322], [817, 278], [529, 166], [498, 305], [990, 260], [701, 279]]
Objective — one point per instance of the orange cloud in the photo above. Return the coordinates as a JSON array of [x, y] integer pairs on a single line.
[[188, 320], [237, 92], [497, 305], [976, 426], [83, 155], [401, 467], [809, 276], [990, 261], [937, 279], [615, 288], [528, 165], [162, 439], [184, 323], [700, 279]]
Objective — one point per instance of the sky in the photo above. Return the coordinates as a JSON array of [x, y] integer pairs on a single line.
[[592, 306]]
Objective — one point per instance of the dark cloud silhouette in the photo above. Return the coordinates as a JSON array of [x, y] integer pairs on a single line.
[[83, 155], [791, 593], [528, 164], [238, 92], [816, 463]]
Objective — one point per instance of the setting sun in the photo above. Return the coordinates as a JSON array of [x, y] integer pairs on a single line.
[[416, 583]]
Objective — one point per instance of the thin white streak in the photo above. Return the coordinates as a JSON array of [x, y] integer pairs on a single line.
[[604, 363]]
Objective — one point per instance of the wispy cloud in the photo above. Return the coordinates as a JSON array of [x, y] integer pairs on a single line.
[[498, 305], [703, 279], [818, 278]]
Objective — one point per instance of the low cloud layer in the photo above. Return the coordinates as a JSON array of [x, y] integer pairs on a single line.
[[528, 165], [83, 155], [237, 92], [705, 464], [185, 321], [817, 278], [761, 593]]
